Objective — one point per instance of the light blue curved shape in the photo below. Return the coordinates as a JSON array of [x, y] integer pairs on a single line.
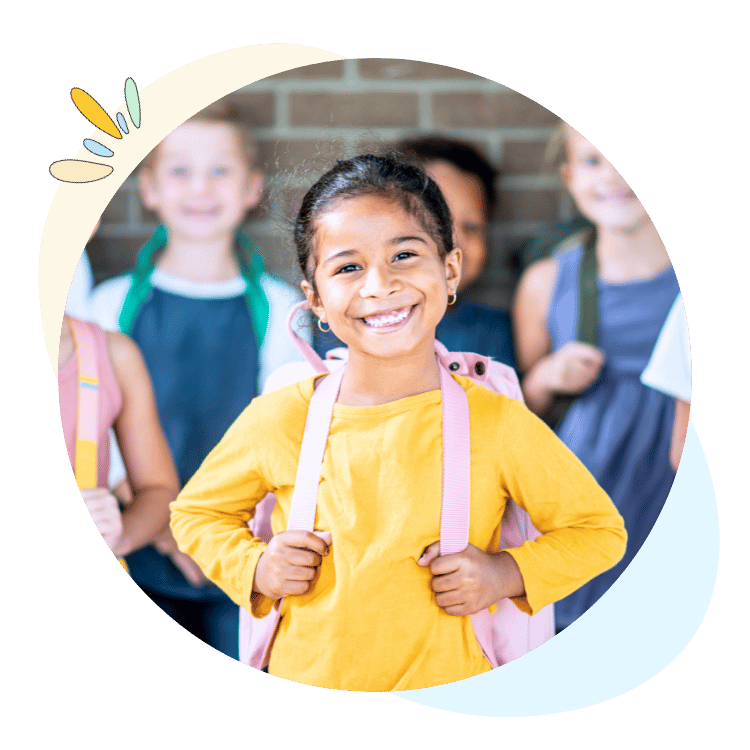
[[122, 123], [133, 102], [633, 632], [97, 148]]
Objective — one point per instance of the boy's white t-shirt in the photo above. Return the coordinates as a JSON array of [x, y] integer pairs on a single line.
[[668, 369]]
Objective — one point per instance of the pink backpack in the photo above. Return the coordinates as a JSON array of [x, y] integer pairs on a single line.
[[503, 635]]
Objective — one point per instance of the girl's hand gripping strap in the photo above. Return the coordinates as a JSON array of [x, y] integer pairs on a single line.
[[454, 513], [305, 495]]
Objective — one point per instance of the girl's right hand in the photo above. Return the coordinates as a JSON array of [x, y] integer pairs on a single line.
[[290, 562], [574, 367]]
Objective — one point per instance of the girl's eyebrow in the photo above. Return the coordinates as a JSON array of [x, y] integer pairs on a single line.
[[336, 256], [394, 241], [408, 238]]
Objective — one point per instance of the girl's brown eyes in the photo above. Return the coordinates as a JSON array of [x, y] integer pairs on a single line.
[[350, 267]]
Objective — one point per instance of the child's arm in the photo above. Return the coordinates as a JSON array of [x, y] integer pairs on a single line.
[[572, 368], [582, 534], [210, 515], [164, 542], [679, 431], [149, 464]]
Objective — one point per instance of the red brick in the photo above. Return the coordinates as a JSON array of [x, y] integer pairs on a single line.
[[354, 109], [529, 205], [332, 69], [397, 70], [525, 157], [257, 107], [117, 211], [111, 256], [278, 253], [279, 156], [488, 110]]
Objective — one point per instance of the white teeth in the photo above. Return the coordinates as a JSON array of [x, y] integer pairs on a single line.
[[388, 319]]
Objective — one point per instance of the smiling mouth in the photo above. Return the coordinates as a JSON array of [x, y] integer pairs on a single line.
[[201, 213], [388, 319]]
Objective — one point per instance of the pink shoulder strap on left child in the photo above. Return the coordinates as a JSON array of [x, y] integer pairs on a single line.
[[87, 415]]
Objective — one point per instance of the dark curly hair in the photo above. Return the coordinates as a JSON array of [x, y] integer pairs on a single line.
[[370, 174], [462, 155]]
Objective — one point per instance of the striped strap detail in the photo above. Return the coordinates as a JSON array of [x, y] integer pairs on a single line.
[[87, 418]]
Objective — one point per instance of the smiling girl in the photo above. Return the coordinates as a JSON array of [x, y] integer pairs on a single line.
[[618, 427], [368, 603]]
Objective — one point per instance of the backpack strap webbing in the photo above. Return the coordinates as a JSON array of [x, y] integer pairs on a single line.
[[87, 415], [248, 259], [588, 313], [456, 485]]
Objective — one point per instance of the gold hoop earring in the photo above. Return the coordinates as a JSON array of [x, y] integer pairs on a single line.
[[320, 326], [453, 301]]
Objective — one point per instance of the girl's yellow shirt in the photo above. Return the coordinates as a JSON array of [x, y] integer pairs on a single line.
[[371, 621]]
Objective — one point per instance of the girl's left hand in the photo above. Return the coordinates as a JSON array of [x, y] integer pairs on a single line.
[[472, 580]]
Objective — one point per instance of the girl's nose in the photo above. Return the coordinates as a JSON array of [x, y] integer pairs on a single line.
[[379, 281]]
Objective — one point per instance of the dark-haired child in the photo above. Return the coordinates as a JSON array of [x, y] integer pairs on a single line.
[[467, 181], [367, 607], [209, 320]]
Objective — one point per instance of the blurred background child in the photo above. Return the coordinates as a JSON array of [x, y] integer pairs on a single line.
[[467, 180], [209, 320], [619, 428], [125, 402], [668, 371]]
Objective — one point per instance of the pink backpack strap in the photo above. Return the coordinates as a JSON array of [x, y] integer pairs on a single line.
[[256, 638], [314, 441], [454, 512], [87, 416], [456, 503], [305, 349], [455, 507], [456, 491]]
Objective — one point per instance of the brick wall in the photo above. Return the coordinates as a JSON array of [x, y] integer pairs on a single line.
[[307, 117]]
